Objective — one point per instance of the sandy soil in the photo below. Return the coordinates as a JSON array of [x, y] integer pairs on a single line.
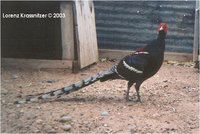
[[169, 102]]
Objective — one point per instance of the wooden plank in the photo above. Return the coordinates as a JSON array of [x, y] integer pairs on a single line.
[[86, 33], [35, 63], [67, 31], [119, 54]]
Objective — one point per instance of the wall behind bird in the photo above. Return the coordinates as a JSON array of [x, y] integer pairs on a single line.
[[130, 24]]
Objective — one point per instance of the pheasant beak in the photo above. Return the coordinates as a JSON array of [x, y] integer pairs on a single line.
[[161, 28]]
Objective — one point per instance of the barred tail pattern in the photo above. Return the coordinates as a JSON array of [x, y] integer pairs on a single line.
[[68, 89]]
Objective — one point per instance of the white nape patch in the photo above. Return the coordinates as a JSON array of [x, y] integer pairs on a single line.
[[141, 53], [131, 68]]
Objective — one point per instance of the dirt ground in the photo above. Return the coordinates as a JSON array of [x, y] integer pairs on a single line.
[[169, 102]]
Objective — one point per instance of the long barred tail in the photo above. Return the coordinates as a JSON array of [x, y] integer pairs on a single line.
[[67, 90]]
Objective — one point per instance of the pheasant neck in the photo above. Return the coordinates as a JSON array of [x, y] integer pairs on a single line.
[[162, 35]]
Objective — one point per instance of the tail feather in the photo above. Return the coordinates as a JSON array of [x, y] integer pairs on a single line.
[[111, 74], [102, 76], [108, 77]]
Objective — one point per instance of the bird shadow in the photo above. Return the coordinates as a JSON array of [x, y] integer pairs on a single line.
[[93, 100]]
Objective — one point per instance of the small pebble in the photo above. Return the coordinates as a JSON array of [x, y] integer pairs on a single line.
[[21, 111], [165, 81], [4, 91], [105, 113], [83, 91], [37, 131], [133, 129], [39, 121], [49, 128], [14, 76], [3, 101], [66, 118], [52, 131], [165, 86], [105, 125], [67, 127], [38, 107], [50, 81], [156, 115], [174, 109], [18, 105]]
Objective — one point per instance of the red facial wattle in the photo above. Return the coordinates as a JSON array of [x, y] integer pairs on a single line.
[[163, 26]]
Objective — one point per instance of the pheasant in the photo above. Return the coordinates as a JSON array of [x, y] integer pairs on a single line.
[[135, 68]]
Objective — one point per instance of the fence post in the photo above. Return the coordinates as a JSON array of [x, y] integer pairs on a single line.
[[196, 33]]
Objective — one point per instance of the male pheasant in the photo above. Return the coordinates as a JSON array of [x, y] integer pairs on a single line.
[[135, 68]]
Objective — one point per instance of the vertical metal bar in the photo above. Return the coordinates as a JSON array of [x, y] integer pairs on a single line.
[[196, 33]]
